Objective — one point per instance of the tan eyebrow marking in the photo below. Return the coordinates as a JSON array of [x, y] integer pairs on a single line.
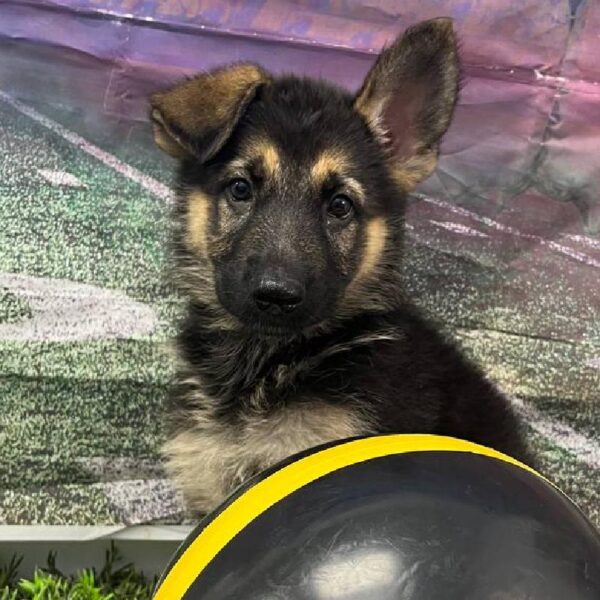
[[336, 162], [331, 160], [355, 188], [270, 156], [263, 149]]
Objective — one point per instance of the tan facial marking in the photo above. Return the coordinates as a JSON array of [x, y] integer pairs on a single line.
[[357, 296], [375, 238], [270, 157], [356, 190], [330, 161], [263, 150], [197, 221]]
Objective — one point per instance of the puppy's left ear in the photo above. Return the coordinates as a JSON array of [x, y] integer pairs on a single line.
[[409, 95], [196, 117]]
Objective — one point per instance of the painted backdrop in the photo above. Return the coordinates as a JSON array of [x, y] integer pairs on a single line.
[[504, 245]]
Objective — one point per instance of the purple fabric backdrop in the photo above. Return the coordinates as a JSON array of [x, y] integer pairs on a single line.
[[531, 74]]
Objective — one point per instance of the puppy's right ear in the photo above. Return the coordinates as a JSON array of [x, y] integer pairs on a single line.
[[197, 117]]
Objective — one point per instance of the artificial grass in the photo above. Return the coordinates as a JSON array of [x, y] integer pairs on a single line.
[[115, 581]]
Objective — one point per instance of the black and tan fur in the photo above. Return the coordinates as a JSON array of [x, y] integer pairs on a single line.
[[298, 330]]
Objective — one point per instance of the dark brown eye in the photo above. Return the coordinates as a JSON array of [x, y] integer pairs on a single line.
[[340, 206], [240, 190]]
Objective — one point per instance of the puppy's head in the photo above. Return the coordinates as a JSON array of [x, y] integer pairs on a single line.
[[291, 191]]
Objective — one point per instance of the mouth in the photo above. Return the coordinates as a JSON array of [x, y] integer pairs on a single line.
[[277, 326], [280, 323]]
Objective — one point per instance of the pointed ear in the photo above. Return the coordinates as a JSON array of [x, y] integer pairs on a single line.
[[408, 97], [196, 117]]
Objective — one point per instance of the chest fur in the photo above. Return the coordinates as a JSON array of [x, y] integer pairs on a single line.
[[210, 459]]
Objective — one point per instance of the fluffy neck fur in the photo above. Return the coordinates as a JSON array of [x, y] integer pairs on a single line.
[[245, 371]]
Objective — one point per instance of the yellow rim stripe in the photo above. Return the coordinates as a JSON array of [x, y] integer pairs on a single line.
[[264, 494]]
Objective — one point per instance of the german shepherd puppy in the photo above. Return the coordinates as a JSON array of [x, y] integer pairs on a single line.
[[288, 242]]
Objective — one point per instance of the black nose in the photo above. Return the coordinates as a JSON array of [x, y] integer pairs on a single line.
[[278, 294]]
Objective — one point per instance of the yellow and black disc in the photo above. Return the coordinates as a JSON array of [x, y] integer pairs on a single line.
[[397, 517]]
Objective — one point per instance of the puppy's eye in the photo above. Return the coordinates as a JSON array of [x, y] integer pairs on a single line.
[[340, 206], [240, 189]]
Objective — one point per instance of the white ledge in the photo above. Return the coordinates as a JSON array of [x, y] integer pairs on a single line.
[[76, 533]]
